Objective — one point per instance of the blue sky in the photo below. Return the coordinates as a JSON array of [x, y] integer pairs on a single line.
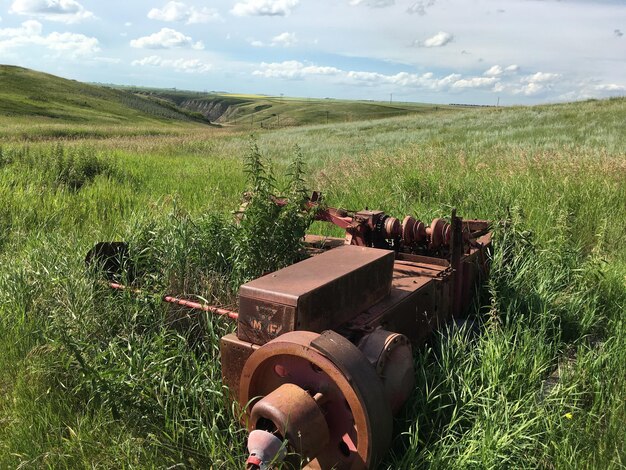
[[439, 51]]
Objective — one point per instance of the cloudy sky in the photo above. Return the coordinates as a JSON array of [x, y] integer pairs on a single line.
[[439, 51]]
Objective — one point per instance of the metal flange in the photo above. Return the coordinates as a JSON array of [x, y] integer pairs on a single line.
[[354, 405]]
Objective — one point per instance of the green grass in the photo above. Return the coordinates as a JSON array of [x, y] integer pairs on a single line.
[[35, 106], [91, 378], [38, 98], [273, 112]]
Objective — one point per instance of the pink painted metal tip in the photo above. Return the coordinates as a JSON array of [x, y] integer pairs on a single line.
[[265, 448]]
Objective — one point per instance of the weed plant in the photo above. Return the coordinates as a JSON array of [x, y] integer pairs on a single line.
[[189, 256]]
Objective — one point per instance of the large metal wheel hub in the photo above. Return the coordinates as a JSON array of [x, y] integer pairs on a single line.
[[339, 380]]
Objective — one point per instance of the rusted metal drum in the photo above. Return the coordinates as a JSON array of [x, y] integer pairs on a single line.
[[341, 382], [439, 232], [292, 413], [392, 357]]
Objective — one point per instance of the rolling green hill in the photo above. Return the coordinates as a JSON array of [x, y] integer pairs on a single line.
[[277, 112], [42, 97], [29, 97], [293, 111]]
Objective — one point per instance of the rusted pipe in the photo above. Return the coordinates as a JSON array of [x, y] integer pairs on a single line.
[[198, 306], [116, 286], [183, 303]]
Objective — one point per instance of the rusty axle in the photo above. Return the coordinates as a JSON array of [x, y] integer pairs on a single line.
[[183, 302]]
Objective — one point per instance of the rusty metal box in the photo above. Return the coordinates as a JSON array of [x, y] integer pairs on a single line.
[[234, 353], [316, 294]]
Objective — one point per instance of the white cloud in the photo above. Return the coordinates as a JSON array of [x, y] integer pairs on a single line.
[[71, 45], [438, 40], [180, 65], [366, 78], [610, 87], [373, 3], [75, 44], [590, 88], [497, 70], [264, 7], [494, 71], [441, 83], [531, 89], [293, 70], [425, 81], [178, 11], [284, 39], [475, 82], [541, 77], [64, 11], [30, 28], [497, 79], [167, 38], [540, 82], [499, 87], [420, 7]]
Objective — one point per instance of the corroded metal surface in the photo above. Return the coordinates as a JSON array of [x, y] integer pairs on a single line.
[[436, 269], [318, 293], [294, 366], [234, 353], [295, 415], [356, 411], [391, 355]]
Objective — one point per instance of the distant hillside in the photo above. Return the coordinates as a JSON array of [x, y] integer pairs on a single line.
[[273, 111], [27, 93]]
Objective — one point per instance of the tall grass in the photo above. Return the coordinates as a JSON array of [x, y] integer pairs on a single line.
[[521, 394], [92, 378]]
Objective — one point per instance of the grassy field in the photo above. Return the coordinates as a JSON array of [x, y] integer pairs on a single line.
[[277, 112], [273, 112], [35, 106], [94, 379], [42, 98]]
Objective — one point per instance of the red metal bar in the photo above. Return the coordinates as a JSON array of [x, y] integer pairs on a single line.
[[117, 286], [331, 215], [198, 306], [184, 303]]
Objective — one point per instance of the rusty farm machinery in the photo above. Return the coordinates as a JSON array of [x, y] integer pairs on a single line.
[[322, 358]]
